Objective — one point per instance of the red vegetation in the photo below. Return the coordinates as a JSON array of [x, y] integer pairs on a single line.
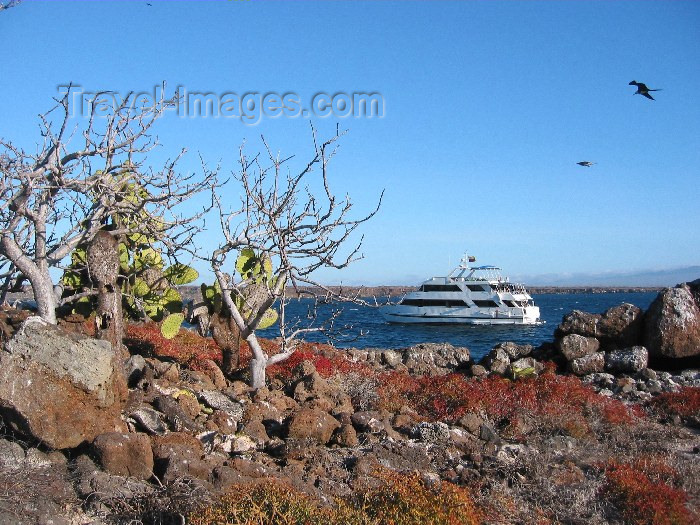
[[644, 493], [327, 360], [561, 402], [684, 403], [187, 347]]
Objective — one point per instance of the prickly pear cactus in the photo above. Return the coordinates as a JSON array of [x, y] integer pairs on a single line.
[[171, 325]]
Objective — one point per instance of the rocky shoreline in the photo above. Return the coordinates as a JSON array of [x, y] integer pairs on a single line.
[[577, 430]]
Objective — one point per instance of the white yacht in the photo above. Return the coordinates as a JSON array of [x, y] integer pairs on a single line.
[[468, 295]]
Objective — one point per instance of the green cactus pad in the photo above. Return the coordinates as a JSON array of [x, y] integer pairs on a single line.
[[147, 258], [78, 257], [72, 279], [171, 300], [268, 319], [140, 288], [245, 264], [170, 326], [179, 274]]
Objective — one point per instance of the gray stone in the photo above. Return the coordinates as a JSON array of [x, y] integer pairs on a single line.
[[134, 367], [220, 401], [574, 346], [496, 361], [175, 416], [629, 360], [479, 371], [488, 434], [525, 366], [578, 322], [514, 350], [621, 325], [392, 358], [588, 364], [11, 455], [432, 433], [149, 420]]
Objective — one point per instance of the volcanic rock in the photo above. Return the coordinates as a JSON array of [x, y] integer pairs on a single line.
[[672, 323], [58, 388]]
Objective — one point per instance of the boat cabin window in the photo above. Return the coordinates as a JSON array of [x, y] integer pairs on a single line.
[[440, 288], [434, 302], [477, 288], [486, 304], [509, 303]]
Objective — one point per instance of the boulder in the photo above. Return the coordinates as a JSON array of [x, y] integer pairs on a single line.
[[574, 346], [220, 401], [578, 322], [628, 360], [60, 389], [346, 436], [514, 350], [432, 433], [621, 326], [524, 367], [672, 323], [125, 454], [496, 361], [149, 420], [310, 423], [178, 455], [588, 364], [435, 358], [177, 419]]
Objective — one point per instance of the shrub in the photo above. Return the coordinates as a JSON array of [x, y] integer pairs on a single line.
[[187, 347], [405, 499], [560, 403], [269, 502], [327, 360], [643, 492], [401, 499], [684, 403]]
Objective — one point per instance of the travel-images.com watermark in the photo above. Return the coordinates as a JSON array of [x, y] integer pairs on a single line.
[[250, 107]]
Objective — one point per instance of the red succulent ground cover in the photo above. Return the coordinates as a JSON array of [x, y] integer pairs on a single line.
[[646, 493], [327, 360], [684, 403], [562, 402], [187, 347]]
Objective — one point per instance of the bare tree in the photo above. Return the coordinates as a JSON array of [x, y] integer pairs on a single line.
[[298, 230], [82, 180]]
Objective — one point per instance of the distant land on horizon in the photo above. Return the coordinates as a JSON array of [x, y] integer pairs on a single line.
[[643, 278]]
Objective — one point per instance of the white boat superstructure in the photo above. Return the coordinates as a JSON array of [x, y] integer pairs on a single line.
[[468, 295]]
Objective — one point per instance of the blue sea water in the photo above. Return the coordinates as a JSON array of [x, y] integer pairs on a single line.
[[369, 330]]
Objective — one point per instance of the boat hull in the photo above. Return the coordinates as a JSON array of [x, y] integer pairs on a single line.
[[403, 315]]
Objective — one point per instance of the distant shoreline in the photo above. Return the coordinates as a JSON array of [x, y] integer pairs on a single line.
[[193, 292], [393, 291]]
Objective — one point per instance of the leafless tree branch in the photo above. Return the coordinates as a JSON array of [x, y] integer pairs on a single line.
[[85, 176], [301, 229]]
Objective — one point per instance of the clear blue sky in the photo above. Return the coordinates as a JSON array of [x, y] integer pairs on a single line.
[[488, 105]]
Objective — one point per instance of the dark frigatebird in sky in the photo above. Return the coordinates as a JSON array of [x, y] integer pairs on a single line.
[[642, 89], [585, 163]]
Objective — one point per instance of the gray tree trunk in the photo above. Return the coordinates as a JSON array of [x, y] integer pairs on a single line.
[[103, 265]]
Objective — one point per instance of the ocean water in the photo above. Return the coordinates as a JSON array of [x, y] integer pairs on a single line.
[[364, 327]]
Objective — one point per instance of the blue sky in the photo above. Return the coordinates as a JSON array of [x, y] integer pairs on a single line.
[[487, 108]]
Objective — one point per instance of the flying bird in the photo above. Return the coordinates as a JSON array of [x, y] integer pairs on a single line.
[[642, 89], [585, 163]]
